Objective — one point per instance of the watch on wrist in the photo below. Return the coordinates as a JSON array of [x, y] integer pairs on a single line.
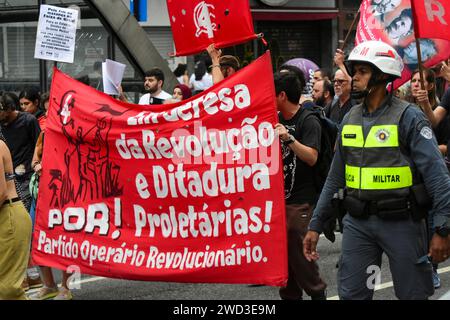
[[443, 231], [290, 140]]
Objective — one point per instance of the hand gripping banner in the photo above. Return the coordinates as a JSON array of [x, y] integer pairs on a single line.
[[185, 192], [392, 22], [198, 23]]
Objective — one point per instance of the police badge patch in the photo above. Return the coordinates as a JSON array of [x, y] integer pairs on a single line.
[[382, 135], [427, 133]]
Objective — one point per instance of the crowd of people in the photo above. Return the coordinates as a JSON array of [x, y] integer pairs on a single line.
[[22, 124], [379, 134]]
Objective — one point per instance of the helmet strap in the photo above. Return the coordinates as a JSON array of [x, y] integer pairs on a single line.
[[373, 82]]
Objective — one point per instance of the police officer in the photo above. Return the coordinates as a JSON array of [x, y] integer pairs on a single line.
[[388, 163]]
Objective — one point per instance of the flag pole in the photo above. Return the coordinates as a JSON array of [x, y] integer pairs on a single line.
[[344, 44], [419, 50], [419, 60]]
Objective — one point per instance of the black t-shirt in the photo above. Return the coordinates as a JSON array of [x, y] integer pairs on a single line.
[[443, 130], [21, 136], [299, 186], [336, 113], [445, 101]]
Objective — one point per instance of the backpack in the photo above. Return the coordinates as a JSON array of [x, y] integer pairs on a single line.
[[327, 143]]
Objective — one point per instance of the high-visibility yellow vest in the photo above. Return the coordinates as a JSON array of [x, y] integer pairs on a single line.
[[376, 165]]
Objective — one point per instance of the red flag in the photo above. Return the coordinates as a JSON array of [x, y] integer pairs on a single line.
[[198, 23], [392, 22], [185, 192], [431, 18]]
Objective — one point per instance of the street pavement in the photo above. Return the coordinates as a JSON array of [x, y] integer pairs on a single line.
[[98, 288]]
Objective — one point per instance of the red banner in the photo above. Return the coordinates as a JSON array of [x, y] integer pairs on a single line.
[[431, 18], [198, 23], [187, 192], [392, 22]]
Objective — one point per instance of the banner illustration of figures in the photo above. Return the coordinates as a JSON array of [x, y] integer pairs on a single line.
[[187, 192], [198, 23], [392, 22]]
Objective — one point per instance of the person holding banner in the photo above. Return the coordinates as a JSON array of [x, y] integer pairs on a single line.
[[15, 229], [386, 175], [300, 135], [222, 66]]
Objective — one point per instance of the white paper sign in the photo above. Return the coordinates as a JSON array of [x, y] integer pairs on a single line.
[[112, 76], [56, 34]]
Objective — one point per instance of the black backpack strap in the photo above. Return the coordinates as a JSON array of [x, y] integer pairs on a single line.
[[301, 120]]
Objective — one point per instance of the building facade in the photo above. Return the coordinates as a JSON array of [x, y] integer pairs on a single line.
[[293, 28]]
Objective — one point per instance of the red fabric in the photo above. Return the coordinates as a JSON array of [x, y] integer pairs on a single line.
[[377, 23], [41, 120], [115, 179], [198, 23], [432, 18]]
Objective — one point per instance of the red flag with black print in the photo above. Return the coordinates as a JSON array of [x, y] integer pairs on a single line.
[[198, 23]]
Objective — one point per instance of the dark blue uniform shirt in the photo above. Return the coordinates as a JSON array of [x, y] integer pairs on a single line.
[[423, 151]]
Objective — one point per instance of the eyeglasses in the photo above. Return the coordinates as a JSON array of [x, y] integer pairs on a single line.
[[339, 81]]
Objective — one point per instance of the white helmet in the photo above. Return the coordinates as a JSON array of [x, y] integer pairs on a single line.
[[379, 54]]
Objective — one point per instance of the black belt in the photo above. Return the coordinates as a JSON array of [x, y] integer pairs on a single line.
[[11, 201]]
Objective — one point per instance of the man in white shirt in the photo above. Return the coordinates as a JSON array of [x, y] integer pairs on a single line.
[[153, 83]]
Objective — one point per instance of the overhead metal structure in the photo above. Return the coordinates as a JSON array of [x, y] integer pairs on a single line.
[[131, 38]]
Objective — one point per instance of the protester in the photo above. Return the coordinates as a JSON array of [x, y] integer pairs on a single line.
[[15, 228], [201, 80], [154, 81], [21, 131], [37, 157], [323, 93], [182, 74], [427, 99], [440, 112], [30, 102], [222, 66], [382, 171], [181, 92], [423, 97], [306, 102], [300, 135], [342, 88], [338, 60], [321, 74], [50, 289]]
